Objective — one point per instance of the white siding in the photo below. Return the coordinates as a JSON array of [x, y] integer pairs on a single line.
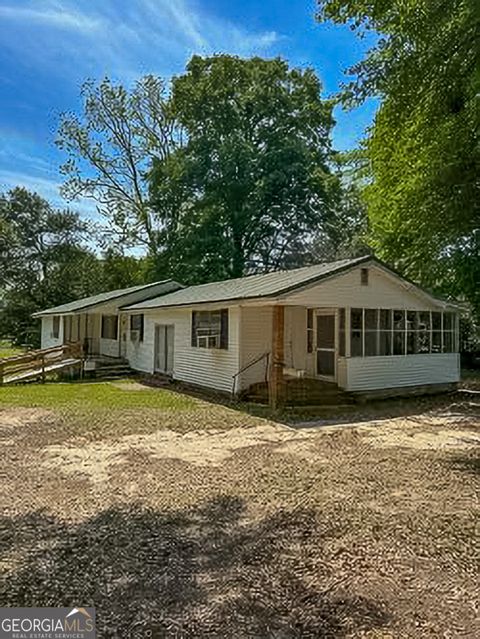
[[212, 368], [109, 347], [255, 340], [342, 372], [383, 291], [372, 373], [47, 341]]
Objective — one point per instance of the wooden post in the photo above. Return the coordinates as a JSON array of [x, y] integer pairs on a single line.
[[277, 385], [43, 368], [1, 373]]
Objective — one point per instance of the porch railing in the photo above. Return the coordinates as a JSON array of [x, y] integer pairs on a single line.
[[38, 363], [263, 356]]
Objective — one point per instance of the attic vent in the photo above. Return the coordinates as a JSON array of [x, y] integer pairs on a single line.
[[364, 276]]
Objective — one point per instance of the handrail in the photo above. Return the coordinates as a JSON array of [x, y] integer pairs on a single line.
[[249, 365], [37, 360]]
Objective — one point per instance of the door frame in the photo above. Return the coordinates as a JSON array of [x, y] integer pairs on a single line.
[[316, 313], [156, 330]]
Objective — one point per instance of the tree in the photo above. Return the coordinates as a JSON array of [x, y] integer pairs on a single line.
[[43, 262], [109, 149], [423, 150], [254, 176]]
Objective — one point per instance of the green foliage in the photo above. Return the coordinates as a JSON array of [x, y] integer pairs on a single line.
[[110, 147], [423, 151], [254, 179], [42, 262]]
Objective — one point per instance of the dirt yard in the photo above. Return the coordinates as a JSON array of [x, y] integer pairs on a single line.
[[198, 520]]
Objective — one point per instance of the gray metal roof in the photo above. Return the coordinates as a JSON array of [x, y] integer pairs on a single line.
[[154, 288], [252, 286]]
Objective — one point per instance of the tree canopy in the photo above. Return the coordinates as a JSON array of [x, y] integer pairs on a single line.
[[255, 172], [423, 151]]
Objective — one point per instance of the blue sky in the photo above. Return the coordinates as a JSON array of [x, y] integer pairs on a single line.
[[49, 47]]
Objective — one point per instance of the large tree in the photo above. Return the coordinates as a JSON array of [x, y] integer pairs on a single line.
[[423, 151], [43, 262], [110, 147], [254, 176]]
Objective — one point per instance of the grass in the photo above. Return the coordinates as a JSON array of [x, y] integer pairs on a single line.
[[85, 396], [7, 350]]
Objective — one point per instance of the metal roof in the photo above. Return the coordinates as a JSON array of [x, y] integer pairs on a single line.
[[252, 286], [110, 296]]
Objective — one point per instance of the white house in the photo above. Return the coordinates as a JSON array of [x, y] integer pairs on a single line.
[[353, 323], [97, 321]]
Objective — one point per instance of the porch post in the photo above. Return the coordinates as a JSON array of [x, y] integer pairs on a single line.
[[277, 387]]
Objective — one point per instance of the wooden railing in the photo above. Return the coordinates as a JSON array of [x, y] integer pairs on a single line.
[[38, 361]]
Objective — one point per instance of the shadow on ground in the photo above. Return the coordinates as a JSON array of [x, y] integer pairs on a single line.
[[201, 572]]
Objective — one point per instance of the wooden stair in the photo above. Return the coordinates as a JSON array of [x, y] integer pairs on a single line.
[[110, 368], [302, 392]]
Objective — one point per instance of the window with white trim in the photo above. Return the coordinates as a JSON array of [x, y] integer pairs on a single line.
[[386, 332]]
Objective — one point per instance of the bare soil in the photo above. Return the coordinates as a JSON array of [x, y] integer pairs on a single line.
[[215, 523]]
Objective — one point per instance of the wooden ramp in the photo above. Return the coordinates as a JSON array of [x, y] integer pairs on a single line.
[[36, 365]]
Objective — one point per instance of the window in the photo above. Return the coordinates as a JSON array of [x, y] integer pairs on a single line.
[[136, 327], [341, 332], [356, 332], [401, 332], [364, 276], [109, 327], [371, 331], [55, 326], [436, 332], [210, 329], [309, 330], [385, 332], [449, 345]]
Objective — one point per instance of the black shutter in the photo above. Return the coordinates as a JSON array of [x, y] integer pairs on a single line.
[[142, 317], [115, 326], [103, 327], [194, 328], [224, 328]]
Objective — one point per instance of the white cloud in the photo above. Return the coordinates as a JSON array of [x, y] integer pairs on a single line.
[[52, 15], [123, 40], [48, 189]]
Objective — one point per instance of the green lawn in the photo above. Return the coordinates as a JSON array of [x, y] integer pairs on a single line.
[[84, 395], [7, 350]]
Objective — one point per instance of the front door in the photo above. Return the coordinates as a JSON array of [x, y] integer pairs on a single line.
[[164, 341], [326, 352]]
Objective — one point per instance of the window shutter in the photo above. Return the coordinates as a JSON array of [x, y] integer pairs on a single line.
[[103, 326], [142, 323], [194, 328], [224, 328]]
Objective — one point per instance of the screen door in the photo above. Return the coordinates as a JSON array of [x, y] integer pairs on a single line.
[[326, 345]]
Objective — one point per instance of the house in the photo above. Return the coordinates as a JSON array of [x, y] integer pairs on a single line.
[[97, 322], [354, 323]]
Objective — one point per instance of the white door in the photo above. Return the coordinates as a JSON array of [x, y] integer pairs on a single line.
[[326, 345], [164, 341]]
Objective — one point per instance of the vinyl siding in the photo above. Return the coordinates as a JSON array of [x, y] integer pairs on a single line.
[[46, 339], [255, 340], [372, 373], [382, 291], [212, 368]]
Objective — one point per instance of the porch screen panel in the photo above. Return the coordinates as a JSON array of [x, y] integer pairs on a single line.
[[388, 332]]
